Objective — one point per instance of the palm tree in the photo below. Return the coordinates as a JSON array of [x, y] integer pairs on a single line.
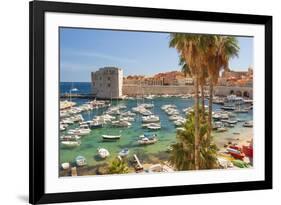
[[217, 52], [182, 154], [202, 80], [188, 47]]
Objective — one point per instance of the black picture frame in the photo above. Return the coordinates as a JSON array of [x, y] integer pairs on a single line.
[[37, 10]]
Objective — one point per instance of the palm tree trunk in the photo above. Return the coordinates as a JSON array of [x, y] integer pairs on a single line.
[[203, 101], [196, 124], [211, 87]]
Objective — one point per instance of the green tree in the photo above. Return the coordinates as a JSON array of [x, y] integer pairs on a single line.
[[118, 166], [217, 51], [202, 79], [182, 154], [188, 47]]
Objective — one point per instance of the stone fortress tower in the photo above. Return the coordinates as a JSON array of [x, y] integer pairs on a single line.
[[107, 83]]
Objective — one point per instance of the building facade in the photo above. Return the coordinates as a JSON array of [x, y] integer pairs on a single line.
[[107, 83]]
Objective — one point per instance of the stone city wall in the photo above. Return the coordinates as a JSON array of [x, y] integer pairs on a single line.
[[134, 90]]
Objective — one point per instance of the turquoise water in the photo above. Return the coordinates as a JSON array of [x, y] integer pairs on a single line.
[[149, 153]]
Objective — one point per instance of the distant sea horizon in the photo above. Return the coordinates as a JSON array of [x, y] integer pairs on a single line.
[[80, 87]]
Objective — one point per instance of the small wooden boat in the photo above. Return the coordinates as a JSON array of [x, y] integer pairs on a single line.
[[240, 164], [236, 153], [80, 161], [124, 152], [147, 141], [70, 144], [65, 165], [103, 153], [111, 137], [248, 124], [248, 150], [221, 129]]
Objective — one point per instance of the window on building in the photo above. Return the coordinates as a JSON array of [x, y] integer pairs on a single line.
[[108, 78], [100, 77], [108, 85]]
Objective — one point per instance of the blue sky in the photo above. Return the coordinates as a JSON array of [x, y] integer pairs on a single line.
[[138, 53]]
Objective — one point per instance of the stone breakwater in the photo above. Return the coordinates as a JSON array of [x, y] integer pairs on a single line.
[[134, 90]]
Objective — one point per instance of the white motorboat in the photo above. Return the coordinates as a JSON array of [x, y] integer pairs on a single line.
[[128, 119], [70, 144], [62, 127], [67, 121], [147, 105], [154, 126], [180, 129], [179, 122], [145, 112], [147, 141], [248, 101], [69, 137], [84, 126], [174, 117], [122, 106], [111, 137], [80, 132], [128, 114], [239, 110], [164, 107], [95, 124], [103, 153], [230, 121], [80, 161], [120, 123], [150, 119]]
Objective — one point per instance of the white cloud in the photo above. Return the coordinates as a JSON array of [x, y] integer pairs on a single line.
[[102, 56]]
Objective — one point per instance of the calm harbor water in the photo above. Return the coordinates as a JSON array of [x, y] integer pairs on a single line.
[[150, 153]]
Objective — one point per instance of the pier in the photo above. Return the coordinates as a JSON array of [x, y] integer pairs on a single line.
[[80, 95]]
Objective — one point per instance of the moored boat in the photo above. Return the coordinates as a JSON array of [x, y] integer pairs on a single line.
[[154, 126], [103, 153], [124, 152], [146, 139], [236, 153], [150, 119], [248, 124], [79, 132], [70, 144], [69, 137], [248, 150], [120, 123], [80, 161], [111, 137]]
